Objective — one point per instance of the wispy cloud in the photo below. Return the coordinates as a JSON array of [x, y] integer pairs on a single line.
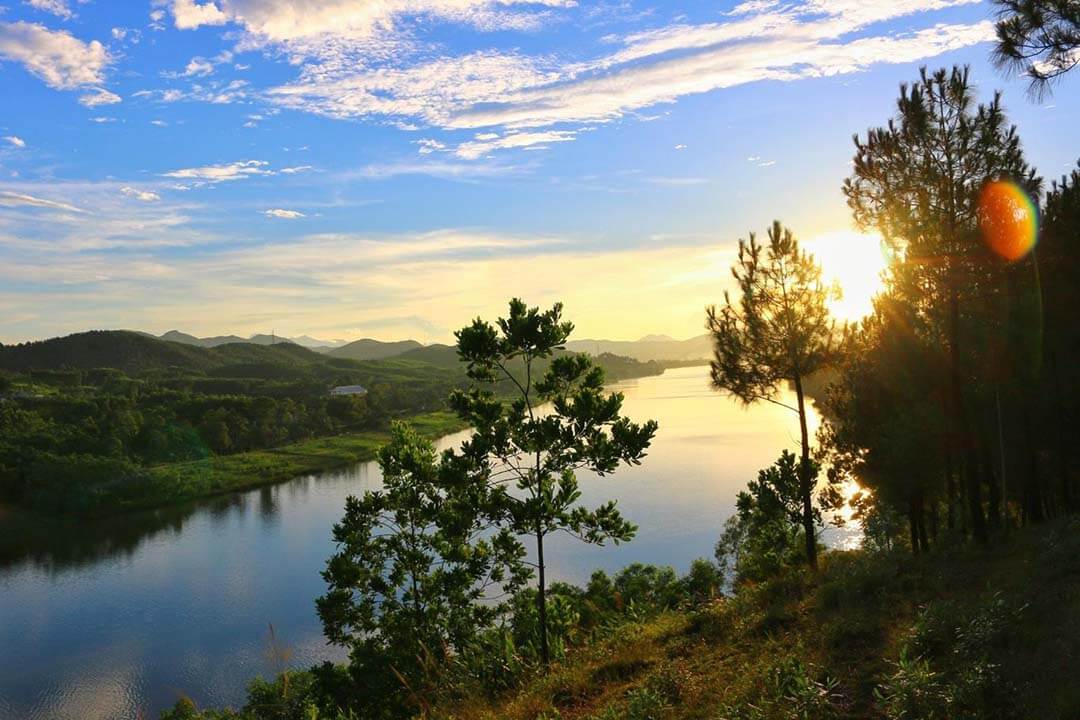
[[15, 140], [14, 199], [143, 195], [228, 172], [284, 214], [58, 8], [525, 97]]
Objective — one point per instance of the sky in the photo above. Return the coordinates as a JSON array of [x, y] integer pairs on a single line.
[[394, 168]]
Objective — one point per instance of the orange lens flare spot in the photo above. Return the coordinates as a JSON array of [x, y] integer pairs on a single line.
[[1008, 219]]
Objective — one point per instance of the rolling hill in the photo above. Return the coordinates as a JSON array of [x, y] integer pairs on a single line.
[[368, 349], [135, 352]]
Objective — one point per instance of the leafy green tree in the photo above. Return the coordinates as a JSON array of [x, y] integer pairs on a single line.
[[763, 534], [1040, 38], [413, 562], [917, 181], [778, 331], [530, 440]]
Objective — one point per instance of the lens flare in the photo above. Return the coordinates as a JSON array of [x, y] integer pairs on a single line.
[[1008, 219]]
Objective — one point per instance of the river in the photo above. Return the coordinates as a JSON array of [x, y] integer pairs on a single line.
[[119, 618]]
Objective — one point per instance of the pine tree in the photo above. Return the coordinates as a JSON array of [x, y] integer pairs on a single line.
[[778, 331]]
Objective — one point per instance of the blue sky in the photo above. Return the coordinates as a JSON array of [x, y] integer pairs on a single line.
[[352, 168]]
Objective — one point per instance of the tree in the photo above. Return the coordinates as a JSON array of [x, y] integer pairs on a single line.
[[1040, 38], [532, 437], [762, 536], [779, 331], [918, 181], [884, 417], [413, 562]]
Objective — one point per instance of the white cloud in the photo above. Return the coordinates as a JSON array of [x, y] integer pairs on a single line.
[[14, 199], [59, 58], [284, 214], [159, 123], [431, 91], [523, 95], [101, 119], [143, 195], [429, 145], [222, 173], [290, 22], [188, 14], [295, 170], [15, 140], [198, 66], [99, 96], [486, 143], [56, 7]]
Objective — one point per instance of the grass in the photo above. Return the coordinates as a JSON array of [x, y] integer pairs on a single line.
[[819, 646], [240, 471]]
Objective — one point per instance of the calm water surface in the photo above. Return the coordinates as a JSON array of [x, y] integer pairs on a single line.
[[119, 619]]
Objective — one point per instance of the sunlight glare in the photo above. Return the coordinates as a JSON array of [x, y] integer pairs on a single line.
[[855, 261]]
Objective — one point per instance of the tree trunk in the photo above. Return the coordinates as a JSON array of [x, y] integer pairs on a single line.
[[920, 521], [1059, 423], [805, 481], [541, 599], [1034, 510], [962, 431]]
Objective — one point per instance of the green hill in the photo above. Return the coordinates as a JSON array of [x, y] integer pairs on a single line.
[[128, 351], [368, 349], [136, 353]]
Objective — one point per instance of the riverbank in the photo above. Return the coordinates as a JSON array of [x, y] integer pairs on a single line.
[[176, 483], [220, 474]]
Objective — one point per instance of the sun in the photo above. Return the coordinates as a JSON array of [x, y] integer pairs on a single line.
[[855, 262]]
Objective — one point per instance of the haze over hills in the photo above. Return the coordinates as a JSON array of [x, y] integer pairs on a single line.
[[650, 347], [259, 339]]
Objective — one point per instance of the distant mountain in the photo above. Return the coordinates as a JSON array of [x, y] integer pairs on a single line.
[[368, 349], [317, 344], [650, 347], [261, 339]]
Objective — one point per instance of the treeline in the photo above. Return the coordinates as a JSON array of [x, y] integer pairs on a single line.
[[956, 401]]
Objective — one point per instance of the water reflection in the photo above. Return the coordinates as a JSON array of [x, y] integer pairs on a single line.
[[116, 618]]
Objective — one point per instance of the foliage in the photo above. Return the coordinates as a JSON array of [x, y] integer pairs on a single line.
[[529, 455], [763, 535], [413, 562], [1040, 38], [953, 340], [780, 330]]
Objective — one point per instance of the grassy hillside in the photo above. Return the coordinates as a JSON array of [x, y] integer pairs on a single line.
[[965, 633]]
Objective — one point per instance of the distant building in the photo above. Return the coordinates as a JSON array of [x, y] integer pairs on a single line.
[[349, 390]]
